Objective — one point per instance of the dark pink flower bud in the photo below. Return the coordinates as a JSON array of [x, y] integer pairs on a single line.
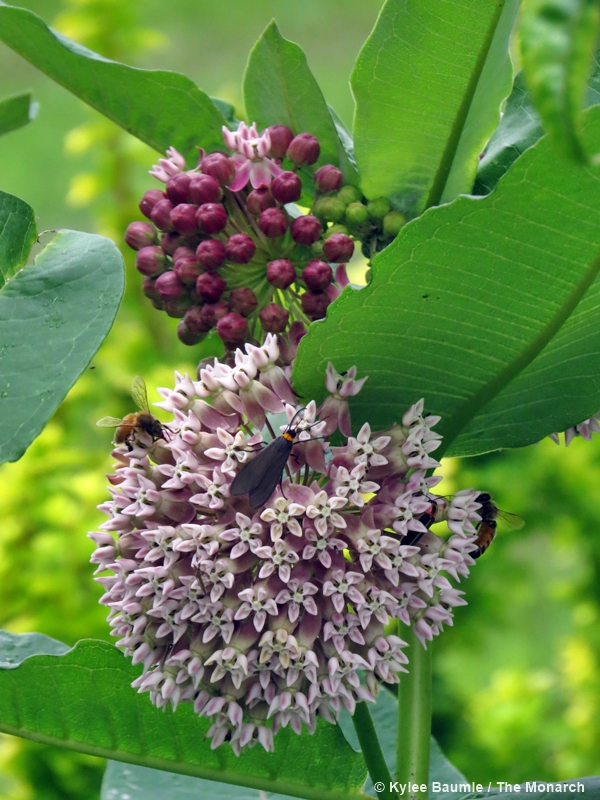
[[210, 287], [306, 230], [243, 300], [338, 248], [274, 318], [150, 261], [140, 234], [286, 187], [177, 307], [169, 286], [259, 200], [240, 248], [232, 329], [328, 179], [177, 188], [314, 304], [170, 242], [281, 137], [185, 265], [186, 335], [211, 254], [273, 222], [211, 218], [304, 149], [218, 166], [161, 215], [281, 273], [149, 290], [317, 275], [183, 218], [149, 200], [211, 313], [204, 189], [194, 321]]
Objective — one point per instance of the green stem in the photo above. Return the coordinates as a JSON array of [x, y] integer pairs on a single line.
[[414, 720], [371, 750]]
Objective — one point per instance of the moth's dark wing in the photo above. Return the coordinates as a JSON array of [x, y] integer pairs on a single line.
[[139, 393], [260, 476]]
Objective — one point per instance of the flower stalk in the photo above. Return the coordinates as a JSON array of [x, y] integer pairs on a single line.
[[371, 750], [414, 720]]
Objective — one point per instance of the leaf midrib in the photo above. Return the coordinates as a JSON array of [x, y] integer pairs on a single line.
[[194, 771], [473, 406], [447, 160]]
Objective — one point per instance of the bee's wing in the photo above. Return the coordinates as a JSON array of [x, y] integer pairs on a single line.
[[109, 422], [139, 393], [510, 522]]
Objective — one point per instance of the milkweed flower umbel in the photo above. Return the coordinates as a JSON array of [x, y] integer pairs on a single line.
[[267, 618]]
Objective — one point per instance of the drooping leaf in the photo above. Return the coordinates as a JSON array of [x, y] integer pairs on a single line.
[[161, 108], [428, 85], [488, 308], [16, 647], [558, 38], [15, 112], [520, 128], [54, 315], [83, 700], [17, 235], [280, 89]]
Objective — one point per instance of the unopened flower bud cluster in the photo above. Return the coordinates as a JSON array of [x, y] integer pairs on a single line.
[[221, 249], [267, 618]]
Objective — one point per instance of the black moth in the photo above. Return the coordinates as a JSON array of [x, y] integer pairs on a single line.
[[259, 477]]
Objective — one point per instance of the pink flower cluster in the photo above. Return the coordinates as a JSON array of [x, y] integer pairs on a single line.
[[267, 618]]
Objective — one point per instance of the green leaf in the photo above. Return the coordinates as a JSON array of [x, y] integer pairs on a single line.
[[16, 647], [141, 783], [489, 308], [54, 315], [428, 85], [558, 38], [519, 129], [161, 108], [280, 89], [83, 700], [17, 235], [15, 112]]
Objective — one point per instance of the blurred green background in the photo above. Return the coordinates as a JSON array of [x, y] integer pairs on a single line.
[[517, 681]]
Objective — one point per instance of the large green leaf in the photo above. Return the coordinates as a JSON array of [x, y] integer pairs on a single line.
[[15, 112], [160, 108], [557, 39], [83, 700], [17, 235], [520, 128], [280, 89], [54, 315], [488, 308], [428, 85]]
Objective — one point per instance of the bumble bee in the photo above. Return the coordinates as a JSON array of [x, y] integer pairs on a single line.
[[486, 529], [139, 421]]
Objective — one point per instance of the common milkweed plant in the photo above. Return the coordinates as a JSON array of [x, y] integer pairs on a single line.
[[267, 560]]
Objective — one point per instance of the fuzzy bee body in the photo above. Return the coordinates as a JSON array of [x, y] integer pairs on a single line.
[[141, 421]]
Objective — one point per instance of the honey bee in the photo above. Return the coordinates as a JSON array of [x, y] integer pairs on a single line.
[[139, 421], [486, 529]]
